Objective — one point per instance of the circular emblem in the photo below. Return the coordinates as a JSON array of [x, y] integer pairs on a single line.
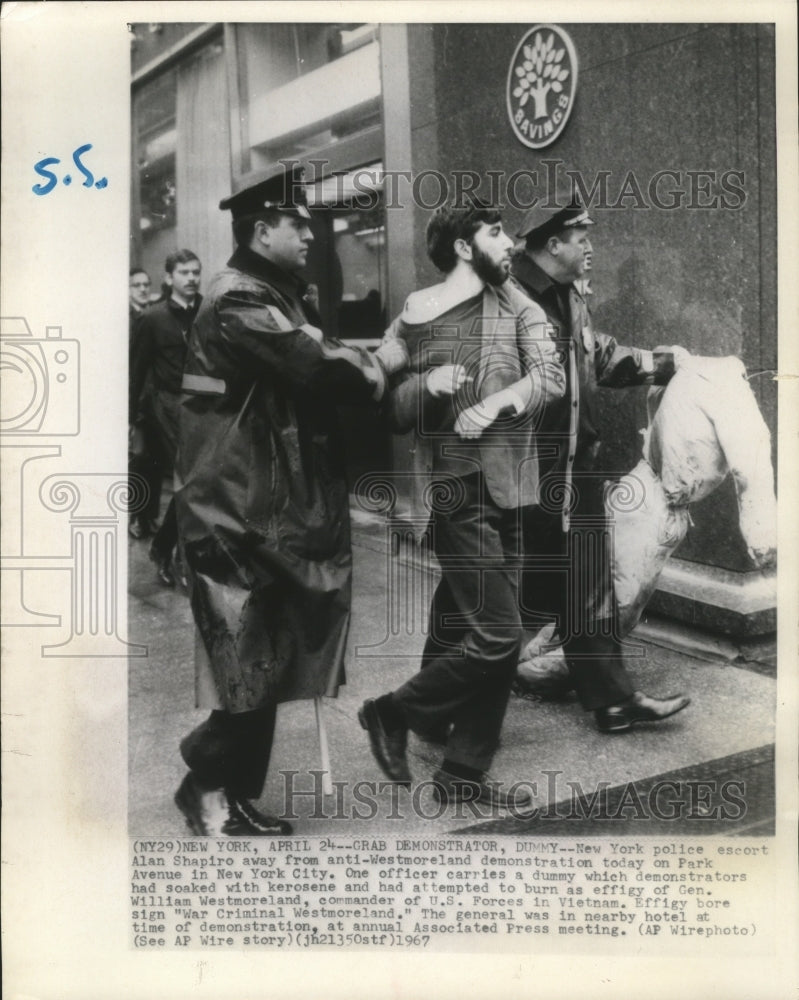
[[542, 83]]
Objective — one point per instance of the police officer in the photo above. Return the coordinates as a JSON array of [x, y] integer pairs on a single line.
[[569, 523], [262, 502]]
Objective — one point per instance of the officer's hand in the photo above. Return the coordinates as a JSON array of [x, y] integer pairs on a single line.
[[447, 379]]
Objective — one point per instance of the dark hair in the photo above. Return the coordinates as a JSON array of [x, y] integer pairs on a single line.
[[244, 227], [137, 270], [179, 257], [456, 222]]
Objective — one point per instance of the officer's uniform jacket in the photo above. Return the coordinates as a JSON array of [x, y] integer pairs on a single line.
[[262, 499], [569, 437]]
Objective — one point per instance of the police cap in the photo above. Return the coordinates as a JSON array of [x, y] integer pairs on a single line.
[[553, 212], [281, 187]]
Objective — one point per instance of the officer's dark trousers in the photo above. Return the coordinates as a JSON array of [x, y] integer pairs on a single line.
[[471, 654], [166, 538], [166, 417], [231, 750], [145, 465], [568, 578]]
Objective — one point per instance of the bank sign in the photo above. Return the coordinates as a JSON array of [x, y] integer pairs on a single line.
[[542, 84]]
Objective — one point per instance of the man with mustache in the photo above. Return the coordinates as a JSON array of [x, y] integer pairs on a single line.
[[159, 351], [482, 369], [569, 523]]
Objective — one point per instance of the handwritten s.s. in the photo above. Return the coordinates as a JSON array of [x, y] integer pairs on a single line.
[[42, 168]]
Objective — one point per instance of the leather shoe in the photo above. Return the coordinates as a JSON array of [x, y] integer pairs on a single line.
[[164, 574], [449, 788], [254, 822], [388, 745], [205, 809], [179, 572], [216, 813], [136, 529], [163, 568], [639, 708]]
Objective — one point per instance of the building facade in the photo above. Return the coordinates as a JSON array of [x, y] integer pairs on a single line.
[[668, 129]]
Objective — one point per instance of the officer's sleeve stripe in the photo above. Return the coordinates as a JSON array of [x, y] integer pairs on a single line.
[[203, 384], [284, 324], [282, 321], [312, 331]]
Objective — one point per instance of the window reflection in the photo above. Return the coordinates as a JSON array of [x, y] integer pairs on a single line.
[[155, 145], [359, 239]]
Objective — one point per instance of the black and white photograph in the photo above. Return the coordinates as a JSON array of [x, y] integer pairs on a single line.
[[413, 579], [475, 452]]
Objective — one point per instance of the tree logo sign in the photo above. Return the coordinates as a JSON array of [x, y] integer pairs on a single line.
[[542, 83]]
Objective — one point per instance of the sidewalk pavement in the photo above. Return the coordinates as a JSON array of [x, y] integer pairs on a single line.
[[725, 733]]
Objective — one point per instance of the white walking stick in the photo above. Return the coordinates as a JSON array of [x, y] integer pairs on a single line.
[[327, 781]]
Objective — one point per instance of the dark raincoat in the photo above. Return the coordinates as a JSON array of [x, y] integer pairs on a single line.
[[262, 499], [570, 476]]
